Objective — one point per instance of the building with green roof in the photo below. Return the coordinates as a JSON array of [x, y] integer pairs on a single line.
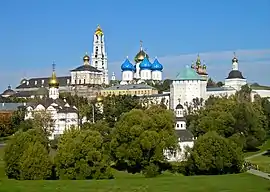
[[186, 86], [188, 74]]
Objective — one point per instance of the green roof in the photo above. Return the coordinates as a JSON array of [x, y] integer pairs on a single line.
[[188, 74]]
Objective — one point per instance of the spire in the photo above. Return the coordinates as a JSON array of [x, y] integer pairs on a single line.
[[86, 59], [98, 30], [53, 81], [198, 61], [141, 45], [234, 62], [204, 65]]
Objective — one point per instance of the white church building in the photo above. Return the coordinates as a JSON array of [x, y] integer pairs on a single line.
[[62, 114]]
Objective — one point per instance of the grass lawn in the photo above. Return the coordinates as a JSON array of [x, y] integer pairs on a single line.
[[262, 148], [125, 182]]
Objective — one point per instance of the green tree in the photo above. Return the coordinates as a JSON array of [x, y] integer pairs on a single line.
[[265, 104], [211, 83], [140, 138], [115, 106], [244, 94], [17, 118], [220, 84], [80, 155], [15, 148], [35, 163], [82, 104], [103, 128], [5, 127], [25, 125], [213, 154], [229, 116], [161, 86], [42, 120]]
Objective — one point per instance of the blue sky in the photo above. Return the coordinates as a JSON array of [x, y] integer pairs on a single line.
[[36, 32]]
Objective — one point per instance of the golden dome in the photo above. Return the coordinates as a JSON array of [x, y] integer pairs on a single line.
[[98, 31], [86, 58], [141, 55], [99, 99], [53, 82]]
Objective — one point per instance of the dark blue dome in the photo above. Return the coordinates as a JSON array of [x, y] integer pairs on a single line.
[[145, 64], [156, 66], [127, 66]]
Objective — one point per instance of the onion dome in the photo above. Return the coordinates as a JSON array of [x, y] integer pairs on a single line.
[[198, 61], [234, 58], [23, 81], [8, 92], [98, 31], [204, 66], [145, 64], [53, 82], [156, 66], [235, 74], [86, 59], [141, 55], [179, 106], [127, 66]]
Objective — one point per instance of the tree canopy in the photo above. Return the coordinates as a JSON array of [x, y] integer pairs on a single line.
[[80, 155], [213, 154], [232, 115], [140, 138], [16, 152]]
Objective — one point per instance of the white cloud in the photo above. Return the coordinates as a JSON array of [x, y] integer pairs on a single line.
[[255, 65]]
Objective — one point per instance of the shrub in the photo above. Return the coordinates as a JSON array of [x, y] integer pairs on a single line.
[[151, 170], [213, 154], [80, 155], [16, 147], [35, 163]]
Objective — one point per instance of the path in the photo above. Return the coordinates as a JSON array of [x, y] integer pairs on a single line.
[[256, 172], [255, 155], [259, 173]]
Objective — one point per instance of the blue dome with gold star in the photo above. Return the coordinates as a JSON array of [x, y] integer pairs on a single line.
[[145, 64], [156, 66], [127, 66]]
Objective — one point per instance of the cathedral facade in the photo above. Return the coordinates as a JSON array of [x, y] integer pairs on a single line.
[[142, 70]]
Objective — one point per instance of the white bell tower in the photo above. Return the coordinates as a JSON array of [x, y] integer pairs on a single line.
[[180, 119], [99, 55], [53, 85]]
